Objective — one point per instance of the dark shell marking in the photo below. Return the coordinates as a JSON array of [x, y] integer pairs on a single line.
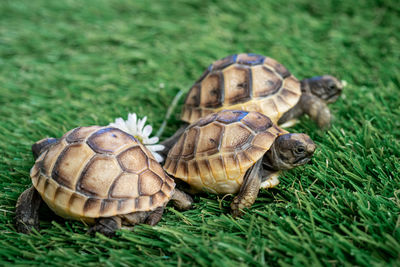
[[223, 63], [100, 171], [242, 81], [214, 153]]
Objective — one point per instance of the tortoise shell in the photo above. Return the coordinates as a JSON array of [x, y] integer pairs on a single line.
[[247, 82], [214, 153], [100, 172]]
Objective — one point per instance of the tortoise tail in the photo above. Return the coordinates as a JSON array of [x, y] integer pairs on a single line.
[[40, 146]]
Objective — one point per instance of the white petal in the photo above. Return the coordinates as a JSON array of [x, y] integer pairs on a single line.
[[155, 147], [158, 157], [152, 141], [132, 123], [119, 121], [145, 140], [120, 124], [132, 130], [132, 117], [147, 130], [141, 124], [137, 127]]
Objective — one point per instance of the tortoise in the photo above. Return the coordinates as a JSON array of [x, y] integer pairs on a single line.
[[254, 82], [234, 151], [99, 175]]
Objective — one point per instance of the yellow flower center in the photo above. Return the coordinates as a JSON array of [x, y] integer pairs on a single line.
[[139, 138]]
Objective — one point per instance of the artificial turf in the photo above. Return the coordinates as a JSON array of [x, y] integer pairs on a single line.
[[70, 63]]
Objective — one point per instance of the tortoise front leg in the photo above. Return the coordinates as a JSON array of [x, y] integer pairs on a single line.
[[316, 109], [311, 105], [106, 226], [269, 179], [27, 211], [290, 117], [248, 191]]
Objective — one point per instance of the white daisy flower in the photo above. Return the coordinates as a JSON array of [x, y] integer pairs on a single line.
[[140, 131]]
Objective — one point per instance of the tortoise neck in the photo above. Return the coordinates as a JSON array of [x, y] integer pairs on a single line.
[[305, 85], [267, 161], [273, 159], [308, 84]]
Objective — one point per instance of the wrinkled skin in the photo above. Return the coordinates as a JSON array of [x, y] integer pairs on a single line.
[[326, 87], [317, 92], [287, 152]]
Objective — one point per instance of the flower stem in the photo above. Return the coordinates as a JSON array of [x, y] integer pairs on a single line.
[[169, 112]]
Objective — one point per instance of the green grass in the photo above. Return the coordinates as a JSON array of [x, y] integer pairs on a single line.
[[71, 63]]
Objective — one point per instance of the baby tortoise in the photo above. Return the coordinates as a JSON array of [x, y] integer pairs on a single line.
[[253, 82], [235, 151], [99, 175]]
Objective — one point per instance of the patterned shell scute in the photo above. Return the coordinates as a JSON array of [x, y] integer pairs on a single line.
[[98, 172], [214, 153], [247, 82]]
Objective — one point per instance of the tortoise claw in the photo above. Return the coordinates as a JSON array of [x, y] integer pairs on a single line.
[[236, 208], [236, 213]]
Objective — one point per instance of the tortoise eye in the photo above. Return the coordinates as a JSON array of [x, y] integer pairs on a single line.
[[332, 86], [299, 150]]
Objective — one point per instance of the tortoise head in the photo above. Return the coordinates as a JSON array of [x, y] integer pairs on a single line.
[[325, 87], [290, 150]]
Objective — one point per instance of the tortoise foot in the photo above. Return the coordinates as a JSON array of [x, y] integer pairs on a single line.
[[237, 207], [155, 216], [27, 211], [106, 226], [181, 200], [289, 123], [26, 227]]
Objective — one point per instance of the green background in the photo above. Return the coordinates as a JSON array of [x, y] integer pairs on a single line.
[[71, 63]]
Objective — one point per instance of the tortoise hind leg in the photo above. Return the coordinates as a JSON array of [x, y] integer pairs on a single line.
[[106, 226], [155, 216], [248, 191], [181, 200], [27, 211]]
